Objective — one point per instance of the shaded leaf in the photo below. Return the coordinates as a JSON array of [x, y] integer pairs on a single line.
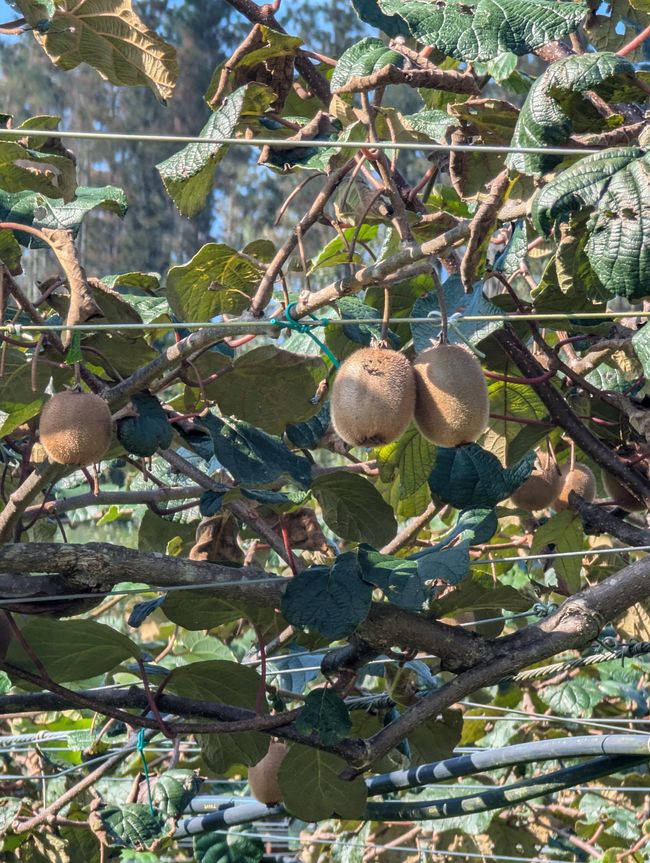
[[130, 825], [363, 58], [353, 508], [399, 579], [325, 714], [319, 772], [332, 600], [469, 477], [252, 456], [149, 430]]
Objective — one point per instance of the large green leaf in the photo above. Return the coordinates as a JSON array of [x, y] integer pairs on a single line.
[[410, 459], [456, 300], [555, 106], [217, 280], [229, 848], [23, 169], [148, 430], [564, 532], [615, 185], [269, 388], [480, 593], [251, 455], [187, 175], [109, 36], [305, 768], [39, 211], [325, 714], [131, 825], [174, 789], [71, 649], [363, 58], [369, 11], [354, 509], [469, 477], [399, 579], [482, 29], [331, 600]]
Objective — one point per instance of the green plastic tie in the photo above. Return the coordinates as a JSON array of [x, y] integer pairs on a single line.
[[145, 767], [307, 329]]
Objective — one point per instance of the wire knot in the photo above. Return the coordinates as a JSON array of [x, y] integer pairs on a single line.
[[306, 328]]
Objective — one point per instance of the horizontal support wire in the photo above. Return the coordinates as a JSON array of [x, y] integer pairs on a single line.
[[275, 579], [290, 144], [267, 325]]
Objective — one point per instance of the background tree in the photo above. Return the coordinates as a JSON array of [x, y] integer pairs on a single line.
[[411, 449]]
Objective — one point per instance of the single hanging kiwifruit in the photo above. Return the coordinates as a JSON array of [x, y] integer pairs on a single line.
[[452, 405], [75, 428], [542, 487], [579, 479], [373, 397], [263, 776]]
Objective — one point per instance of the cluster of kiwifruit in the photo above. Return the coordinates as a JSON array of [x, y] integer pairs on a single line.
[[377, 393], [75, 428], [551, 485]]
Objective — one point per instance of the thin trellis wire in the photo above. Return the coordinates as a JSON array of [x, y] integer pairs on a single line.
[[309, 840], [216, 586], [522, 716], [291, 144], [265, 324]]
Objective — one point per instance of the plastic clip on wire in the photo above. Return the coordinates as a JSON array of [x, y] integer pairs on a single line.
[[145, 767], [452, 324], [308, 329]]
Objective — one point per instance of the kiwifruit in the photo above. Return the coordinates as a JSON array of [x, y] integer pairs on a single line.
[[373, 397], [542, 486], [581, 480], [621, 495], [75, 428], [263, 776], [451, 405]]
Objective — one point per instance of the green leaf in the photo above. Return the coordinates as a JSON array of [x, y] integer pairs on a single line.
[[252, 456], [71, 649], [131, 825], [469, 477], [399, 579], [24, 169], [363, 58], [217, 280], [305, 768], [325, 714], [10, 252], [474, 525], [432, 123], [641, 345], [448, 564], [556, 104], [615, 185], [216, 680], [353, 508], [436, 738], [483, 29], [564, 532], [573, 697], [207, 611], [479, 593], [39, 211], [156, 533], [9, 808], [109, 36], [369, 11], [232, 848], [188, 174], [174, 790], [332, 600], [269, 388], [411, 458], [306, 435], [149, 430], [223, 752], [456, 300]]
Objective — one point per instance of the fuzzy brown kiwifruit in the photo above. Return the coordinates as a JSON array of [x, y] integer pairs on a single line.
[[581, 480], [263, 776], [75, 428], [373, 397], [542, 486], [451, 405], [623, 498]]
